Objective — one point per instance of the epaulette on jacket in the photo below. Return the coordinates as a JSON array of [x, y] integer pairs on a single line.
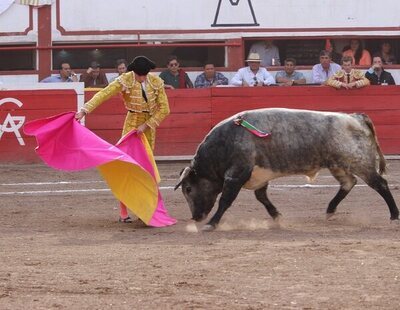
[[128, 81], [155, 81], [358, 74], [339, 74]]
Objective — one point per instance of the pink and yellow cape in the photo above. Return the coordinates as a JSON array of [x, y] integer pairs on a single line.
[[128, 167]]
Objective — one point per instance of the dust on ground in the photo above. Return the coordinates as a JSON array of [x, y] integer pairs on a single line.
[[62, 248]]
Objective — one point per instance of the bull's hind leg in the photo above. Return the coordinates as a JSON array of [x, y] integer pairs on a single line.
[[378, 183], [261, 195], [347, 182]]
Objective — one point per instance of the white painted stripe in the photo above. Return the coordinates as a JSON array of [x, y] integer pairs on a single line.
[[50, 183], [310, 186], [69, 191], [59, 183], [57, 191]]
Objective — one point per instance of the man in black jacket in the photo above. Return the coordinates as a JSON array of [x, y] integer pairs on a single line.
[[377, 75]]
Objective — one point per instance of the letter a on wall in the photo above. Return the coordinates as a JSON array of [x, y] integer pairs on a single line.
[[234, 13]]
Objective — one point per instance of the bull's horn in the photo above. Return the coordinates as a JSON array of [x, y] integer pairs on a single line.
[[184, 173]]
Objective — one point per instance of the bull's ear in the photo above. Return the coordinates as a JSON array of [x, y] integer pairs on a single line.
[[184, 173]]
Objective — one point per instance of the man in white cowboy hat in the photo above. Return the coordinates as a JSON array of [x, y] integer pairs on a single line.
[[253, 75]]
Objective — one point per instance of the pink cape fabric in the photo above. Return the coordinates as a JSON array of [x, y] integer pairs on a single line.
[[63, 143]]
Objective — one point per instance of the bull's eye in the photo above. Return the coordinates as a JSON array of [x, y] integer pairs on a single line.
[[188, 189]]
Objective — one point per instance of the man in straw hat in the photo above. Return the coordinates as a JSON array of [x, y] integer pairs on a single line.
[[253, 75], [145, 101]]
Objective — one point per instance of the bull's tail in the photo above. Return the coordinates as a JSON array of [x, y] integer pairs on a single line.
[[382, 161]]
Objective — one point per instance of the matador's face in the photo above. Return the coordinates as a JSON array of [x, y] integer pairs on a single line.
[[140, 78]]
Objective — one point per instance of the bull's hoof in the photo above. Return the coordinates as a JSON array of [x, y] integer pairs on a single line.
[[395, 221], [208, 227], [277, 220], [191, 227], [329, 215]]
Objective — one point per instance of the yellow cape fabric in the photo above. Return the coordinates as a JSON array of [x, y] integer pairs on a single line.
[[133, 186]]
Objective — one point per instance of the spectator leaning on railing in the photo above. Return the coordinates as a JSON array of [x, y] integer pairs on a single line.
[[66, 75], [348, 77], [325, 69], [175, 77], [377, 75], [210, 77], [289, 76], [253, 75]]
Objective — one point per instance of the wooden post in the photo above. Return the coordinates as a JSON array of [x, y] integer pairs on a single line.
[[44, 40]]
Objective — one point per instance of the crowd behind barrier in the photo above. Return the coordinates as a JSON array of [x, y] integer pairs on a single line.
[[33, 78], [268, 58]]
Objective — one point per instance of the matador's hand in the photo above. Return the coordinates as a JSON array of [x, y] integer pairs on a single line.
[[142, 128], [79, 115]]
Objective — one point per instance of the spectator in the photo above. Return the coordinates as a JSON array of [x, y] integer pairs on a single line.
[[359, 55], [377, 75], [330, 47], [289, 76], [122, 64], [210, 77], [348, 77], [252, 75], [386, 54], [325, 69], [268, 52], [174, 77], [93, 77], [66, 75]]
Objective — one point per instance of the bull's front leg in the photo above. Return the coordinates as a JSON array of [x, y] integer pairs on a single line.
[[230, 190]]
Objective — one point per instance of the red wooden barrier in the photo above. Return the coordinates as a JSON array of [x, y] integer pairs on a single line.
[[381, 103], [193, 113], [179, 133], [20, 106]]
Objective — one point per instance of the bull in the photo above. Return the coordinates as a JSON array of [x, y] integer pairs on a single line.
[[301, 143]]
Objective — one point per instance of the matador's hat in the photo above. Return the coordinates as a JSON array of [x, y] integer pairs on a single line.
[[141, 65]]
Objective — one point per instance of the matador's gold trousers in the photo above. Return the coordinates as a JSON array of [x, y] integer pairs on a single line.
[[133, 120]]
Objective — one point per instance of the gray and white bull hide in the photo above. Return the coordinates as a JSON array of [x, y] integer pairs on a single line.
[[301, 142]]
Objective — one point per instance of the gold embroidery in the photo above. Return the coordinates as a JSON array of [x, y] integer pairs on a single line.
[[157, 101]]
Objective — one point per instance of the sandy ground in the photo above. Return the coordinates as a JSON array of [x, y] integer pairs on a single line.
[[62, 248]]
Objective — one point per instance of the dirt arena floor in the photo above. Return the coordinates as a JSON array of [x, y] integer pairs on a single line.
[[61, 247]]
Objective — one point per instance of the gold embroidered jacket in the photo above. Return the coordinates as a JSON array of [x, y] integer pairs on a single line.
[[341, 77], [131, 90]]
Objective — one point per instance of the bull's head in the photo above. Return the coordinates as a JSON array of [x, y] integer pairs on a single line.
[[200, 193]]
